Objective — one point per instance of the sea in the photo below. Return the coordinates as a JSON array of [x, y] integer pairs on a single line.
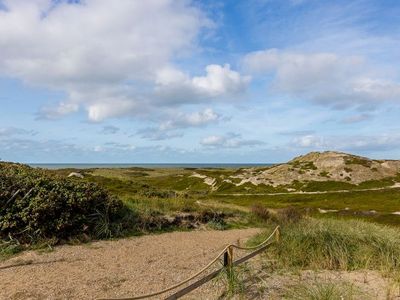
[[55, 166]]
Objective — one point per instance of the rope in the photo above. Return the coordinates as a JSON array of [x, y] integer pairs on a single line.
[[259, 245], [199, 272]]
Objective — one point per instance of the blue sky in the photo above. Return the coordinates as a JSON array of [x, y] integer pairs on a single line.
[[198, 81]]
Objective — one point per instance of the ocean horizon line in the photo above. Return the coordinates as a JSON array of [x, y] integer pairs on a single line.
[[153, 165]]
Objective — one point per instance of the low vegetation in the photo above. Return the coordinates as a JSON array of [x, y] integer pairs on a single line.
[[320, 228], [323, 290], [336, 245], [42, 208], [313, 252], [35, 205]]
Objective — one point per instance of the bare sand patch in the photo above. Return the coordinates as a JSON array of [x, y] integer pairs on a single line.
[[120, 268]]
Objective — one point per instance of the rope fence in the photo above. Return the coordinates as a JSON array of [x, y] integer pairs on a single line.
[[227, 254]]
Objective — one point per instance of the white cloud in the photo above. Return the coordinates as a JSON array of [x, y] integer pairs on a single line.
[[218, 81], [230, 140], [62, 109], [105, 55], [325, 78], [309, 141], [213, 140], [205, 117], [110, 108], [104, 40], [167, 129]]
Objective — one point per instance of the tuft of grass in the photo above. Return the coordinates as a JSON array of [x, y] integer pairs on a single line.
[[323, 291], [261, 212], [336, 245], [289, 215], [233, 279], [9, 247], [218, 224]]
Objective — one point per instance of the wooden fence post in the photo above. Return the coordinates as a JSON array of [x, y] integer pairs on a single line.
[[228, 262], [278, 235]]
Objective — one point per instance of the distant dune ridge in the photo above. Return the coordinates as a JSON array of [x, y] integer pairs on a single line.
[[315, 171], [322, 166]]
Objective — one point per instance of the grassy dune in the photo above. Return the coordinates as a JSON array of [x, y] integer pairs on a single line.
[[168, 187]]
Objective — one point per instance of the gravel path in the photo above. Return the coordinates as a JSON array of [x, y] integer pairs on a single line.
[[120, 268]]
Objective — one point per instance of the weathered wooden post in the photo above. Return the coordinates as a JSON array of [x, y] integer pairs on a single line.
[[278, 234], [228, 257], [228, 263]]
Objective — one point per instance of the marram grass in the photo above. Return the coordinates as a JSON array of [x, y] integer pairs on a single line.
[[336, 245]]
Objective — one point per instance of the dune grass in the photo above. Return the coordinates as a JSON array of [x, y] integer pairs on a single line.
[[321, 290], [336, 245]]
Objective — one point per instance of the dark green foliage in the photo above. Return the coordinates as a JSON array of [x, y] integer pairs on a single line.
[[355, 160], [303, 165], [35, 205], [324, 174]]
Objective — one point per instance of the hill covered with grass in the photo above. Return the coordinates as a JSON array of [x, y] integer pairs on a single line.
[[313, 172], [323, 166]]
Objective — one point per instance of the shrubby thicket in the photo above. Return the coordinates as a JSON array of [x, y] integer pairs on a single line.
[[35, 205]]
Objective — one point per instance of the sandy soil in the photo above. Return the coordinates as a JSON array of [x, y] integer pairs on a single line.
[[366, 284], [122, 268]]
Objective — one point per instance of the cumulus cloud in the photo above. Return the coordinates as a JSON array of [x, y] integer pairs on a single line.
[[230, 140], [310, 141], [65, 43], [167, 129], [109, 57], [324, 78], [51, 113], [218, 81]]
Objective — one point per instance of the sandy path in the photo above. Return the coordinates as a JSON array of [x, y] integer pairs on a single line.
[[121, 268]]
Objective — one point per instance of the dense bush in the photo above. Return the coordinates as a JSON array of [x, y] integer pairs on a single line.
[[35, 205]]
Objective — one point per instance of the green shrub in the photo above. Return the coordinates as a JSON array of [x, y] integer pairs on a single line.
[[35, 205], [324, 174], [355, 160]]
